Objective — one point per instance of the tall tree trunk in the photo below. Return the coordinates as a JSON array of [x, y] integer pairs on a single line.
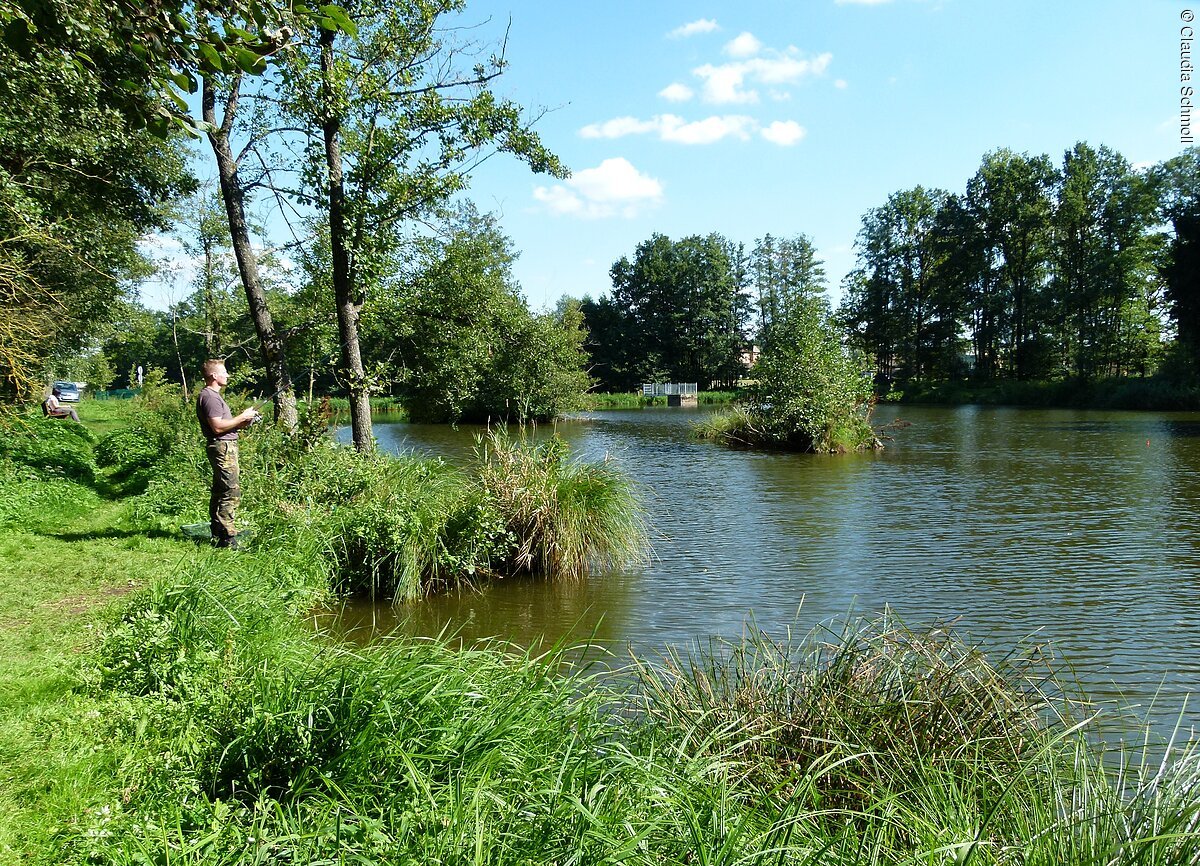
[[278, 378], [343, 293]]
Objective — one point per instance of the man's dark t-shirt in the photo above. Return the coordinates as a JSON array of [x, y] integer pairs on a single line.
[[210, 404]]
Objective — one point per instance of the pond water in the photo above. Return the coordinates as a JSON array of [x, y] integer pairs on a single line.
[[1075, 529]]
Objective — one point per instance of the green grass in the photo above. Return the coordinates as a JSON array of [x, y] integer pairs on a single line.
[[66, 566], [164, 703], [635, 400], [1154, 393], [741, 427]]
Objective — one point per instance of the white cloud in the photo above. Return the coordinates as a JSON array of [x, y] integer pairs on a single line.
[[673, 128], [723, 84], [787, 68], [706, 131], [841, 84], [676, 92], [727, 82], [559, 200], [613, 188], [703, 25], [744, 45], [618, 127], [785, 133]]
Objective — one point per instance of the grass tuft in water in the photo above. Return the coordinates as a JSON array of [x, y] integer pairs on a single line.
[[566, 516]]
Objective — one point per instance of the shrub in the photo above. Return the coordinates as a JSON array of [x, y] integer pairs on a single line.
[[811, 394], [50, 445], [129, 449], [399, 526], [176, 490], [566, 516]]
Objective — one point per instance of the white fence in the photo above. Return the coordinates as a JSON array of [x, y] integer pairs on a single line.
[[669, 389]]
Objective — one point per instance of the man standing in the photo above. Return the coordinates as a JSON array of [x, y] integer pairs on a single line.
[[220, 435]]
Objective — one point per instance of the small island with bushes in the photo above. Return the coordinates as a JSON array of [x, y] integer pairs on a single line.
[[811, 393]]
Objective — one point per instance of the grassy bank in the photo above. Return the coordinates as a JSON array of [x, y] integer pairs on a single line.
[[163, 703], [1150, 394], [634, 400], [384, 408]]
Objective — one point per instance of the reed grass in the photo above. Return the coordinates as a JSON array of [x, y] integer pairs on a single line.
[[865, 744], [566, 517]]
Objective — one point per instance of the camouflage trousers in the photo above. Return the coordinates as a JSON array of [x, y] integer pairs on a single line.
[[223, 457]]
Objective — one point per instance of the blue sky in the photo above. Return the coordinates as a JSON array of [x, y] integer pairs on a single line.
[[797, 117], [800, 116]]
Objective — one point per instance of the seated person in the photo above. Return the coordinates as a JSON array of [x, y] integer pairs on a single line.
[[53, 409]]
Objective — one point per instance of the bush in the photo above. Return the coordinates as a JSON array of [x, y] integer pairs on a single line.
[[176, 491], [385, 525], [130, 448], [50, 445], [406, 526], [811, 393]]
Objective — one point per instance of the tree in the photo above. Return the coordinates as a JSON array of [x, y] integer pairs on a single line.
[[1102, 258], [79, 185], [144, 54], [233, 194], [1009, 199], [785, 274], [462, 338], [680, 303], [812, 393], [900, 305], [1178, 180], [396, 127], [610, 343]]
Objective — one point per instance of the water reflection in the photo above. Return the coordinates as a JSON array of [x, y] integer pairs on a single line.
[[1076, 528]]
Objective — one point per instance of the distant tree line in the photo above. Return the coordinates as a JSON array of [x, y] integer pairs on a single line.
[[1035, 271], [686, 310]]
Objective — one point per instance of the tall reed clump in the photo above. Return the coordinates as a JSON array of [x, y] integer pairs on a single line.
[[901, 747], [565, 516]]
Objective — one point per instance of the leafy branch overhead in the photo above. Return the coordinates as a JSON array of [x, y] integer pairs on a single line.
[[152, 53]]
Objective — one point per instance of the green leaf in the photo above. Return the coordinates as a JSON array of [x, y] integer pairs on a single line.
[[179, 101], [338, 15], [211, 57], [247, 60]]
